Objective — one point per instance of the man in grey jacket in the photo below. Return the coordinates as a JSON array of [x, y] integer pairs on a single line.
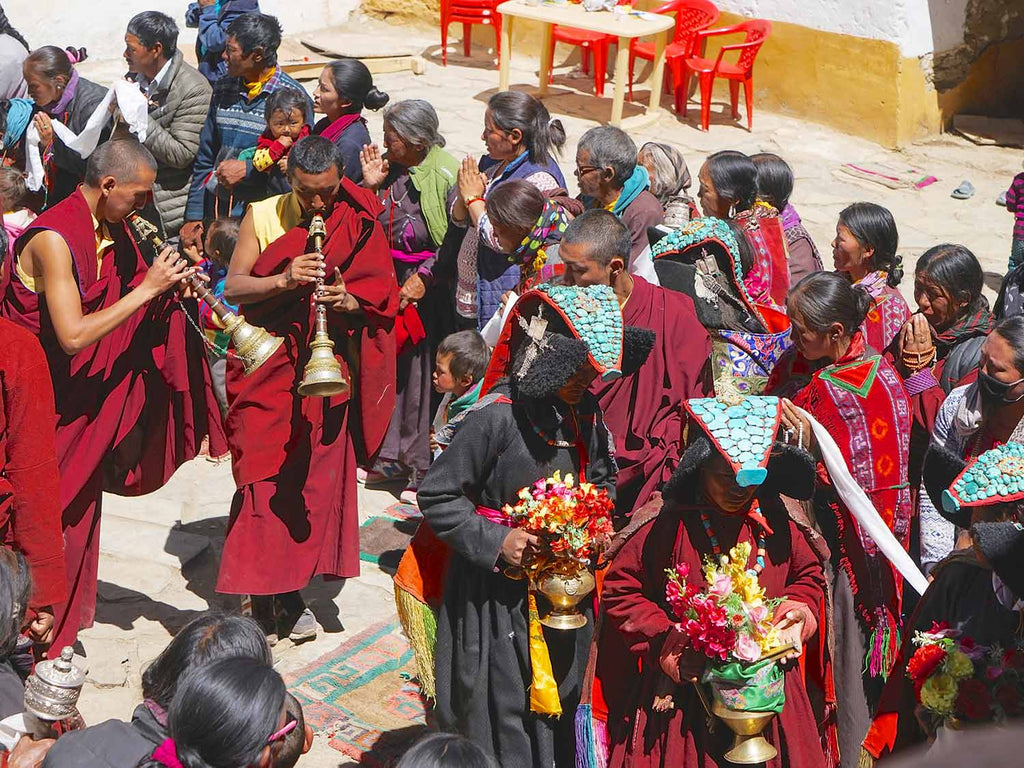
[[179, 99]]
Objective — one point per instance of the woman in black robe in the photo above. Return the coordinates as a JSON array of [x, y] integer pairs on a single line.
[[544, 421]]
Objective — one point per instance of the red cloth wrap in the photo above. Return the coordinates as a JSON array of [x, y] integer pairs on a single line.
[[266, 419], [131, 408]]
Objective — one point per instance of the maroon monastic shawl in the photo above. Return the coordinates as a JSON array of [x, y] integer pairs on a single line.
[[643, 410]]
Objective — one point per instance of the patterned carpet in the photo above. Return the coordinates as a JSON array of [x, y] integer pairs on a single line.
[[361, 696], [384, 537]]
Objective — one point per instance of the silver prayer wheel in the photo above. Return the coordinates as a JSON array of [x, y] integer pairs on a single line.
[[51, 691]]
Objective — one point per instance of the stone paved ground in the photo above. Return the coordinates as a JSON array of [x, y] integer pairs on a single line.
[[160, 553]]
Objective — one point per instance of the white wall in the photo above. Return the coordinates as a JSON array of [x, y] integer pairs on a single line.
[[98, 25], [917, 26]]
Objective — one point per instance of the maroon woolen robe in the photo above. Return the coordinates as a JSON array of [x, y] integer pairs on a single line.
[[29, 482], [644, 410], [636, 613], [131, 408], [295, 514]]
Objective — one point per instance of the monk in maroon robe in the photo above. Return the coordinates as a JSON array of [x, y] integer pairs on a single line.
[[29, 483], [643, 410], [295, 513], [130, 378]]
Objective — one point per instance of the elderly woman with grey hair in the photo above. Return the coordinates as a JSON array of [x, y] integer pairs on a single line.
[[610, 177], [670, 182], [413, 178]]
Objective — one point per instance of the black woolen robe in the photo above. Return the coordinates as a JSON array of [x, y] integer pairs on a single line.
[[482, 655]]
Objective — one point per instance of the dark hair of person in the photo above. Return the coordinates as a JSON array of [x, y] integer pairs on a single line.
[[285, 100], [874, 227], [774, 179], [224, 712], [15, 589], [735, 178], [353, 82], [515, 205], [603, 233], [445, 750], [1011, 330], [257, 30], [542, 136], [469, 352], [152, 27], [120, 158], [52, 62], [823, 298], [746, 250], [315, 154], [7, 29], [222, 237], [293, 742], [13, 189], [955, 270], [208, 637]]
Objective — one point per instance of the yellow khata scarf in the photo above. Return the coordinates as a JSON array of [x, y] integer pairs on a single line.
[[255, 89], [543, 688]]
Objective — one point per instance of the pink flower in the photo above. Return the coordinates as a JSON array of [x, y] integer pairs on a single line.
[[747, 648], [757, 614], [722, 586]]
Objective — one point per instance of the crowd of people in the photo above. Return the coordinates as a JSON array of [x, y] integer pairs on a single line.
[[686, 352]]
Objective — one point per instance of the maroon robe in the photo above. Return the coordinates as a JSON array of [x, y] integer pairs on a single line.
[[633, 599], [131, 408], [644, 410], [29, 482], [295, 513]]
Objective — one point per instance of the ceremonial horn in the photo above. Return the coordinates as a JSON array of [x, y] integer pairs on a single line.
[[322, 376], [253, 345]]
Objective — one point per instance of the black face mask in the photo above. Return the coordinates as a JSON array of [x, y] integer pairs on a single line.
[[993, 392]]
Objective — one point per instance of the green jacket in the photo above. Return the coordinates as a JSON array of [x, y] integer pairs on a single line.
[[433, 179]]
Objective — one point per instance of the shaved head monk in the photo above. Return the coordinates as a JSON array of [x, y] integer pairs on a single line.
[[295, 513], [131, 383], [644, 409]]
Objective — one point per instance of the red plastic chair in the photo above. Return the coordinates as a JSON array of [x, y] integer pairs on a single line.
[[691, 16], [588, 41], [468, 13], [755, 32]]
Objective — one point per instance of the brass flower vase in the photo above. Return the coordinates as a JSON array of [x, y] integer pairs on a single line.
[[749, 747], [564, 583]]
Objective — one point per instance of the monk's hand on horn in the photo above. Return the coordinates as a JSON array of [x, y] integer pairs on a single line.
[[303, 270], [167, 271], [335, 297]]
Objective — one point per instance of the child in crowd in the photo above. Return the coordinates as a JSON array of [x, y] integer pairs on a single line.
[[13, 195], [285, 114], [1015, 205], [445, 750], [459, 368], [221, 236]]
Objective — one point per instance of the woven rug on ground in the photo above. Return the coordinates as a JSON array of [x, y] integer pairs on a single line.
[[361, 696], [384, 537]]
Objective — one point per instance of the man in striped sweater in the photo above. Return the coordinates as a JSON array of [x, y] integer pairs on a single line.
[[235, 122]]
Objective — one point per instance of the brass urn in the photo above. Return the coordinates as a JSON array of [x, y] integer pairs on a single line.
[[564, 584]]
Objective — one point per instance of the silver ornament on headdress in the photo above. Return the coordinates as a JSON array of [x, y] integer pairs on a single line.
[[535, 332]]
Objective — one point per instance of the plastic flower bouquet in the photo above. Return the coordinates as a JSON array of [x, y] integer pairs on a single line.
[[573, 522], [730, 622], [956, 680]]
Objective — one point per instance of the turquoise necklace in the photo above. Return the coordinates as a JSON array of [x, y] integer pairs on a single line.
[[761, 539]]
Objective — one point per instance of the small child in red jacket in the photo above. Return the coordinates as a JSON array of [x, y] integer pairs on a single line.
[[285, 114]]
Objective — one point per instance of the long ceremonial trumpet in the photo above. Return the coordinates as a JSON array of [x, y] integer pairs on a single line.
[[253, 345], [322, 376]]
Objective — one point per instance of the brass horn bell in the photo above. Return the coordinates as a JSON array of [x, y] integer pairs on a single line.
[[322, 376]]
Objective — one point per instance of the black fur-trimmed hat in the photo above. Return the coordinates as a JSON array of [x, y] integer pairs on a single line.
[[1002, 544], [941, 468], [553, 329]]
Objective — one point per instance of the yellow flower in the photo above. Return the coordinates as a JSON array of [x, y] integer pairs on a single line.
[[739, 554], [958, 665], [939, 693]]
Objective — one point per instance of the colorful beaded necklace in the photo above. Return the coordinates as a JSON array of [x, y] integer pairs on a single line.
[[761, 538]]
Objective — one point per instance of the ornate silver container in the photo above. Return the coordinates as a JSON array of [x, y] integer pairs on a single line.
[[51, 691]]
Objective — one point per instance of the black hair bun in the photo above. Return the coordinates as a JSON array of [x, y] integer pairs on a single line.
[[375, 98], [895, 273], [77, 54]]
